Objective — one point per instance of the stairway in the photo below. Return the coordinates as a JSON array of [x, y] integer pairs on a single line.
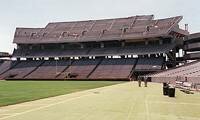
[[34, 69], [95, 68]]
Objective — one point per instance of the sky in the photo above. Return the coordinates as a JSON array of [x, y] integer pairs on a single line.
[[37, 13]]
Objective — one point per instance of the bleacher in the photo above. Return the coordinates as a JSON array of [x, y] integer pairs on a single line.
[[99, 68], [22, 69], [80, 69], [100, 30], [192, 47], [6, 65], [114, 69], [49, 69], [191, 71], [149, 64], [107, 51]]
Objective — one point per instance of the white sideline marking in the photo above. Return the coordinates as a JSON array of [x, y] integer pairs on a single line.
[[30, 105], [9, 114], [39, 108], [26, 105]]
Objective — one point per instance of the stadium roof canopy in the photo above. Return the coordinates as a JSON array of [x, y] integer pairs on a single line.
[[129, 29]]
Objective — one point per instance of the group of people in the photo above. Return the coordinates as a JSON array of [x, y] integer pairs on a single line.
[[140, 79]]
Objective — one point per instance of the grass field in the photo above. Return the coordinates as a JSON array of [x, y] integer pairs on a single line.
[[12, 92], [124, 101]]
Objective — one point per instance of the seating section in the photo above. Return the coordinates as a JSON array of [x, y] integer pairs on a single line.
[[35, 53], [192, 47], [134, 27], [49, 70], [149, 64], [190, 71], [6, 65], [135, 50], [104, 51], [73, 52], [99, 68], [80, 69], [22, 69], [146, 49], [114, 69]]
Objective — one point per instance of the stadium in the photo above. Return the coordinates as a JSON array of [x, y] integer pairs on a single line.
[[105, 52], [112, 49]]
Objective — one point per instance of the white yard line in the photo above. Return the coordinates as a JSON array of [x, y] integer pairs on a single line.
[[43, 107], [130, 109], [147, 108]]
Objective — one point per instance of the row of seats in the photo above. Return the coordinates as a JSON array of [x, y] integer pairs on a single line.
[[139, 50], [48, 70], [114, 69], [21, 69], [149, 64], [6, 65], [80, 69], [189, 72], [99, 68]]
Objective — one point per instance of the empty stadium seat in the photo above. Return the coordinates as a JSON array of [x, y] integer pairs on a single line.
[[149, 64], [114, 69], [22, 69], [49, 69], [82, 68]]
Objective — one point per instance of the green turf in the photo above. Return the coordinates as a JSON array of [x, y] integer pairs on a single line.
[[12, 92]]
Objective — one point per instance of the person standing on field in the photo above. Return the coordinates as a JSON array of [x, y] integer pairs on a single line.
[[145, 81], [139, 81]]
